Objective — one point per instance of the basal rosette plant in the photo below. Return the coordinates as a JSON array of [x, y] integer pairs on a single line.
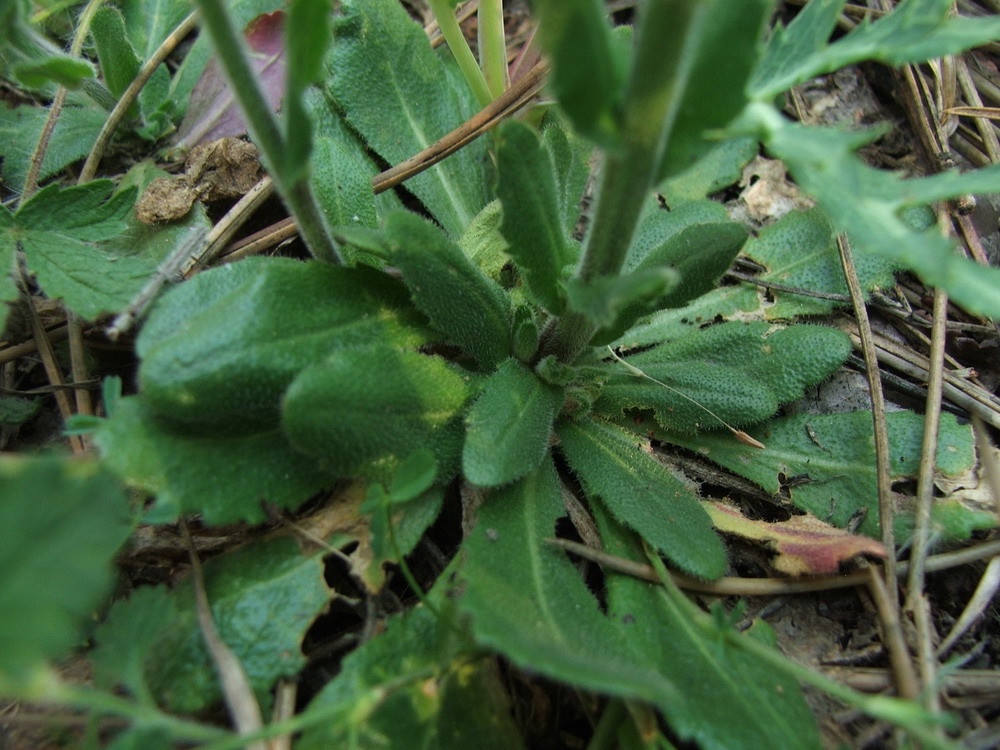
[[481, 345]]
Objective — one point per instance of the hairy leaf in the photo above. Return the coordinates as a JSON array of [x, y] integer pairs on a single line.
[[65, 234], [367, 405], [719, 167], [306, 40], [263, 598], [571, 158], [832, 459], [413, 686], [469, 309], [612, 303], [737, 372], [224, 478], [617, 470], [917, 30], [484, 243], [219, 351], [65, 70], [61, 524], [507, 429], [119, 62], [532, 215], [388, 81], [149, 22]]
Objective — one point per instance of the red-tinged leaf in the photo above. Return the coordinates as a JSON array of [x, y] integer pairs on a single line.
[[213, 112], [804, 545]]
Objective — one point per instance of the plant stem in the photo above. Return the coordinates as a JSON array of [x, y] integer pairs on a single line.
[[265, 130], [493, 46], [452, 32], [655, 88]]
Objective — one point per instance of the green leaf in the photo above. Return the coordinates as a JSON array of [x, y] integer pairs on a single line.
[[616, 469], [764, 707], [721, 166], [198, 474], [61, 524], [64, 232], [72, 138], [307, 35], [799, 251], [483, 242], [414, 686], [409, 522], [571, 158], [739, 372], [469, 309], [528, 602], [414, 476], [14, 410], [507, 429], [119, 62], [713, 94], [367, 405], [533, 222], [282, 316], [836, 453], [612, 303], [341, 172], [389, 83], [149, 22], [67, 71], [588, 76], [917, 30], [263, 597], [867, 204]]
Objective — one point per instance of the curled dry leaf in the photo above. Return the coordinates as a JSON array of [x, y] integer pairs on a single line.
[[804, 544]]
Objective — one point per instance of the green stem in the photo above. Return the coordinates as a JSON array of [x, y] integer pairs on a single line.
[[452, 32], [493, 46], [266, 131], [655, 88]]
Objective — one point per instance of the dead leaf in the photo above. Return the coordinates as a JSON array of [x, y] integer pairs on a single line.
[[804, 545], [767, 191]]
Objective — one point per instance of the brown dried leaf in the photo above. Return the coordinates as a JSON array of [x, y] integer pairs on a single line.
[[804, 544]]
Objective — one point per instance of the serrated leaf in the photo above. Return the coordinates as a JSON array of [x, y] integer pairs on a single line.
[[14, 410], [740, 372], [836, 454], [72, 138], [867, 203], [588, 75], [411, 686], [263, 598], [917, 30], [618, 470], [469, 309], [224, 478], [50, 509], [804, 545], [367, 405], [388, 81], [764, 706], [507, 429], [281, 316], [532, 215], [64, 234]]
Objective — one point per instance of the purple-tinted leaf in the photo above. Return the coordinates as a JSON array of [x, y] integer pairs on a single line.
[[213, 112]]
